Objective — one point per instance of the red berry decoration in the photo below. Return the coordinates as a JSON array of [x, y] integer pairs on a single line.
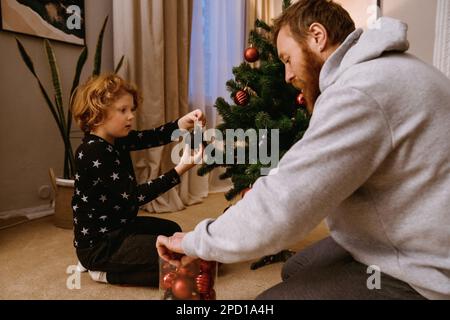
[[241, 98], [251, 54], [183, 288], [168, 280], [203, 283], [301, 101]]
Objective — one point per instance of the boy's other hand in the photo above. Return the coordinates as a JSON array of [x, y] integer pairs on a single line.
[[188, 121]]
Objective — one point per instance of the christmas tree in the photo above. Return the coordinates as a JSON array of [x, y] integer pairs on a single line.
[[263, 101]]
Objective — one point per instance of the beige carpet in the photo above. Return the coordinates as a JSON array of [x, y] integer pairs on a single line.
[[34, 257]]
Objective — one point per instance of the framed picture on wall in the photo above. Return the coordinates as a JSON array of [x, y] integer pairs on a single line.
[[61, 20]]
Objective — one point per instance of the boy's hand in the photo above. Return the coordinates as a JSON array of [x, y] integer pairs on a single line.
[[190, 159], [187, 122]]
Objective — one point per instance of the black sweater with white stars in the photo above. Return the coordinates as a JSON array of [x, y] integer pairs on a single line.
[[107, 196]]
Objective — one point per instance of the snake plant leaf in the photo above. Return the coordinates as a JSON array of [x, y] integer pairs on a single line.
[[55, 79], [119, 65], [80, 65], [25, 57], [98, 50], [76, 81], [29, 63]]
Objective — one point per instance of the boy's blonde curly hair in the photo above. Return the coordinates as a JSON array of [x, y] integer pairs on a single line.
[[91, 100]]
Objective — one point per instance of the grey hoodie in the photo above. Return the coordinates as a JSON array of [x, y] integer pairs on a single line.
[[374, 162]]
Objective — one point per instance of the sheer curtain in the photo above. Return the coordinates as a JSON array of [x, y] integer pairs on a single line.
[[217, 45]]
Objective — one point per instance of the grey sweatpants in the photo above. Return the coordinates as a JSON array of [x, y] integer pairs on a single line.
[[326, 271]]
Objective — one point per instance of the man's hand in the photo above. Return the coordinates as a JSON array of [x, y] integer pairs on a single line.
[[170, 249], [188, 121]]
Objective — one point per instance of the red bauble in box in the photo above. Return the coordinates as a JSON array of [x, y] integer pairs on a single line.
[[241, 98], [251, 54], [193, 281], [243, 192]]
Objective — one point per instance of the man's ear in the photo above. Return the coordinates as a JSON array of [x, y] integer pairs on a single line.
[[318, 39]]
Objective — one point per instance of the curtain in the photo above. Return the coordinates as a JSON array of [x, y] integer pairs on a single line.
[[217, 45], [154, 36], [442, 42], [265, 10]]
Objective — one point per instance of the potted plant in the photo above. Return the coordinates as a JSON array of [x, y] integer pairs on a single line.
[[62, 115]]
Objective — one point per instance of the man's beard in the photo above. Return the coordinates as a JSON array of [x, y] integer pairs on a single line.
[[312, 68]]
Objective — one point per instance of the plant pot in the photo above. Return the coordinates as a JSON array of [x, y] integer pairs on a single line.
[[64, 190]]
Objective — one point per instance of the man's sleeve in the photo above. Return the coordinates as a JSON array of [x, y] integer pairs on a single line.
[[347, 140]]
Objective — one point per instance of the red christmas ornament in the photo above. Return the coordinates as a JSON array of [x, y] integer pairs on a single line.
[[185, 271], [203, 283], [207, 266], [183, 288], [251, 54], [241, 98], [243, 192], [168, 280], [301, 101], [210, 295]]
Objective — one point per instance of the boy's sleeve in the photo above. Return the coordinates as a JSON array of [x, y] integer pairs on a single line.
[[153, 189], [140, 140]]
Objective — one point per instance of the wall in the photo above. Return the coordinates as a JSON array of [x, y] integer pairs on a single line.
[[418, 14], [30, 142]]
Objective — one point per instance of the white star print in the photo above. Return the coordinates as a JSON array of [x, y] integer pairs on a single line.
[[150, 182], [162, 128], [91, 142], [96, 182], [85, 231], [117, 208], [76, 243], [125, 195], [118, 162], [77, 177], [85, 199], [90, 216], [103, 198], [80, 155], [140, 135], [75, 207], [115, 176], [78, 192], [103, 218], [103, 230], [141, 198], [123, 221], [96, 164], [131, 177], [109, 148], [75, 220], [174, 181]]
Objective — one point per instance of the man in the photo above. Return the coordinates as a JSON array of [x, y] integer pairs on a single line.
[[374, 162]]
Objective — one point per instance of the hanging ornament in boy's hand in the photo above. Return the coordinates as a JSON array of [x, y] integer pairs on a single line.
[[251, 54], [241, 98], [301, 100]]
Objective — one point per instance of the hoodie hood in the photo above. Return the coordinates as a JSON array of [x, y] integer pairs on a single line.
[[386, 36]]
